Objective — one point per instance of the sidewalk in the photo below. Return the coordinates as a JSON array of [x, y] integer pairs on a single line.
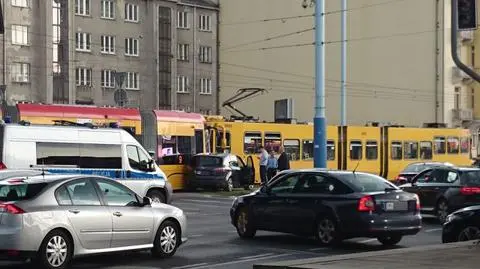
[[464, 255]]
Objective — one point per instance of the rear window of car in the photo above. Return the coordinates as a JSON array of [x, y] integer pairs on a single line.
[[208, 161], [415, 168], [20, 192], [470, 178], [366, 183]]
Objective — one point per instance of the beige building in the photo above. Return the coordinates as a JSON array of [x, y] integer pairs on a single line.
[[399, 70]]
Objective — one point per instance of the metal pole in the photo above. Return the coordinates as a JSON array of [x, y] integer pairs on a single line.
[[319, 122], [343, 94]]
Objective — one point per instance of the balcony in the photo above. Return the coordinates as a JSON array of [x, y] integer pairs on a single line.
[[462, 114]]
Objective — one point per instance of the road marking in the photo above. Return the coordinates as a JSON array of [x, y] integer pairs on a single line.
[[190, 266], [367, 241], [255, 256], [315, 249], [433, 230], [240, 261]]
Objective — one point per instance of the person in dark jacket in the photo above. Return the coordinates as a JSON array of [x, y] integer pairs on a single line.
[[283, 161]]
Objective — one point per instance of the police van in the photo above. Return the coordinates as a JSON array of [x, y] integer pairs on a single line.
[[69, 147]]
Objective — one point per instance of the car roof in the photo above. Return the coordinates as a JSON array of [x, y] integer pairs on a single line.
[[222, 155], [324, 170], [432, 163], [37, 179]]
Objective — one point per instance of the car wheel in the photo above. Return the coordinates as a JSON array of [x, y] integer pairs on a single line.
[[56, 250], [469, 233], [442, 211], [156, 196], [327, 231], [245, 227], [167, 240], [229, 185], [390, 240]]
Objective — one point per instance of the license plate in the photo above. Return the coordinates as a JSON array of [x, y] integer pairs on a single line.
[[389, 206]]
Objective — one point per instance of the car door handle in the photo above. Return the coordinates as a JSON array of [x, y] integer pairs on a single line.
[[117, 214], [74, 211]]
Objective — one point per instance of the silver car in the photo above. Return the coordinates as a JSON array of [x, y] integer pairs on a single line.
[[51, 219]]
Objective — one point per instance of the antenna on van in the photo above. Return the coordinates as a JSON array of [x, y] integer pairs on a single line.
[[354, 170]]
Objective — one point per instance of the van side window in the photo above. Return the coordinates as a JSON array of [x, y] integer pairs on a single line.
[[137, 158]]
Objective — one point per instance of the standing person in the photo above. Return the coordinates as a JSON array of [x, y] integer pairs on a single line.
[[263, 164], [272, 165], [283, 161]]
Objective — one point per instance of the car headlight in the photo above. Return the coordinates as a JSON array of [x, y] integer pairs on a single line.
[[234, 201], [450, 218]]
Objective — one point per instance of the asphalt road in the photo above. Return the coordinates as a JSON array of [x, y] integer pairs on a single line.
[[213, 243]]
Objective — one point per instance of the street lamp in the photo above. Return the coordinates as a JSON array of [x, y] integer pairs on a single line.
[[319, 121]]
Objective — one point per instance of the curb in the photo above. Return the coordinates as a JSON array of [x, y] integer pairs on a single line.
[[334, 258]]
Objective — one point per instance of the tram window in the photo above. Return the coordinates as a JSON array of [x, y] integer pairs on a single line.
[[273, 141], [453, 145], [252, 142], [184, 144], [308, 149], [371, 150], [464, 145], [330, 150], [410, 150], [356, 150], [425, 150], [439, 146], [218, 143], [198, 141], [292, 149], [397, 150]]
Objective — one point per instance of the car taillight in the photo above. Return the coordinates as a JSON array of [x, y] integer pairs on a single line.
[[2, 166], [12, 209], [220, 170], [417, 206], [470, 190], [366, 204]]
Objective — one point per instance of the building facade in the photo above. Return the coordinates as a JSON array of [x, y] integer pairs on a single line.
[[112, 52], [399, 66]]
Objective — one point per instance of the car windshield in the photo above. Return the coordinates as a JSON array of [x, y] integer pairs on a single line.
[[471, 178], [208, 161], [415, 168], [19, 192], [366, 182]]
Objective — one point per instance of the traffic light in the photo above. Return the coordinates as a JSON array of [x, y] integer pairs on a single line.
[[467, 14]]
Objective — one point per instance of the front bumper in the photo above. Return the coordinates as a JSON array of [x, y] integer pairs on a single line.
[[168, 192]]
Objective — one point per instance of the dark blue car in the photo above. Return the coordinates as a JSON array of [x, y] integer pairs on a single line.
[[330, 205]]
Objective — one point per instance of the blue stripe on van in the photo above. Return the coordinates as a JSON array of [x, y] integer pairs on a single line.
[[111, 173]]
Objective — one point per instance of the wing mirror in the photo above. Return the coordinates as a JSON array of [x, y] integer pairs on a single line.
[[264, 189], [146, 201]]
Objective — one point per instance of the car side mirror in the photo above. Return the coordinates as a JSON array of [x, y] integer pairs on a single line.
[[264, 189], [146, 201]]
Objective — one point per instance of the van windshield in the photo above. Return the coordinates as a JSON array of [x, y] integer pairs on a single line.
[[19, 192]]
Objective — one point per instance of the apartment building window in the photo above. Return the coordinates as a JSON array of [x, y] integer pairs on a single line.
[[182, 84], [205, 54], [19, 3], [82, 7], [21, 72], [108, 78], [131, 47], [205, 86], [108, 44], [205, 23], [472, 99], [456, 98], [182, 19], [131, 13], [183, 52], [19, 34], [83, 41], [108, 9], [131, 81], [83, 76]]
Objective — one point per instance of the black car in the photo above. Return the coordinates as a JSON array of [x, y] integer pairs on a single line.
[[330, 205], [414, 169], [220, 171], [462, 225], [443, 190]]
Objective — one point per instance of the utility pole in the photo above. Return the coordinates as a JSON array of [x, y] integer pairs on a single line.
[[343, 94], [319, 121]]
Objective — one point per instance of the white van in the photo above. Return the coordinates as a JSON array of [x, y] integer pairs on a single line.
[[110, 152]]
